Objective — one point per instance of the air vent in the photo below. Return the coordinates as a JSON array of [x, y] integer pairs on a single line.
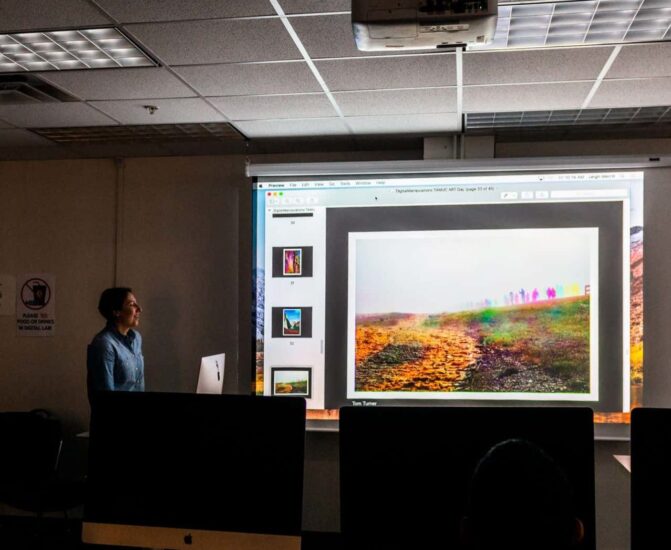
[[18, 89], [627, 117], [216, 132]]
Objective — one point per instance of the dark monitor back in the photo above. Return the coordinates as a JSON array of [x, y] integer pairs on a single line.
[[405, 471], [650, 478], [212, 462]]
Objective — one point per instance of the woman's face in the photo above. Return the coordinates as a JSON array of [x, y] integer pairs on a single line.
[[129, 315]]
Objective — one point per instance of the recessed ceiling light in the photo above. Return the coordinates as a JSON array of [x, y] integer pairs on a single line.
[[572, 23], [71, 49]]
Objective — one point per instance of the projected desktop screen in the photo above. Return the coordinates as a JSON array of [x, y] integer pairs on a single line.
[[375, 290]]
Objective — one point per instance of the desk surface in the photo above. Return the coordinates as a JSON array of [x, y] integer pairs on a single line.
[[601, 433]]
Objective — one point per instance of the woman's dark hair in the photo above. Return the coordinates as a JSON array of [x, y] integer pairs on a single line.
[[112, 300]]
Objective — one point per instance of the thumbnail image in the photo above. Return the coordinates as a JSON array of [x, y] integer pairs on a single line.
[[292, 261], [491, 311], [291, 322], [291, 381]]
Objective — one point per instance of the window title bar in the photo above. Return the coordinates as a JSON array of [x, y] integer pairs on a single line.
[[612, 177]]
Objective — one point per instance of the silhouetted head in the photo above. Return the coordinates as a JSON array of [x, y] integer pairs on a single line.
[[520, 498]]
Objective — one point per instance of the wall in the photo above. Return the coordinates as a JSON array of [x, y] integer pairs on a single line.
[[175, 229], [181, 238], [175, 241], [179, 249], [55, 217]]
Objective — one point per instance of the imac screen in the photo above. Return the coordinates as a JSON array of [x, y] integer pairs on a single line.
[[180, 470]]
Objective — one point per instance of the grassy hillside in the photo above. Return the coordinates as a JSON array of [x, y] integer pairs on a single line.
[[541, 347]]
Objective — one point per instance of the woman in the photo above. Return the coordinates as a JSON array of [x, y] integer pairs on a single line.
[[114, 359]]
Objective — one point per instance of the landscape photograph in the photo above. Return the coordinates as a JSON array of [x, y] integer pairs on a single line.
[[291, 381], [291, 322], [480, 311]]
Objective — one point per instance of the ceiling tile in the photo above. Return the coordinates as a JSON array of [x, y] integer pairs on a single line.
[[398, 102], [49, 115], [649, 92], [548, 65], [250, 78], [530, 97], [170, 111], [275, 107], [312, 6], [29, 15], [379, 73], [217, 41], [292, 127], [641, 61], [132, 11], [338, 28], [120, 83], [409, 124], [22, 138]]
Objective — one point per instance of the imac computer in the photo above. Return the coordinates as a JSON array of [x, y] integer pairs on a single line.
[[195, 471], [650, 476], [211, 375], [410, 467]]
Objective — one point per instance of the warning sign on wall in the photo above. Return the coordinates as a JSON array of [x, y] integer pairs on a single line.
[[36, 305]]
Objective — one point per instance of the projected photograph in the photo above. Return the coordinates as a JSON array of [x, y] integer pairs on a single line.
[[495, 314], [291, 381], [291, 322], [292, 261], [636, 313]]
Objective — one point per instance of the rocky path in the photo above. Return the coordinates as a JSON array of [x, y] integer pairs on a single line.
[[412, 357], [503, 370]]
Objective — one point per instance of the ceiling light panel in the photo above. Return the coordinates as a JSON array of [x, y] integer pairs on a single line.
[[103, 48], [580, 22]]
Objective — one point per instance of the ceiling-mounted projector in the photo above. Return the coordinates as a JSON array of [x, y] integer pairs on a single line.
[[388, 25]]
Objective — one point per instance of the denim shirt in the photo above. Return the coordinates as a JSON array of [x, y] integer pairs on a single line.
[[114, 362]]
